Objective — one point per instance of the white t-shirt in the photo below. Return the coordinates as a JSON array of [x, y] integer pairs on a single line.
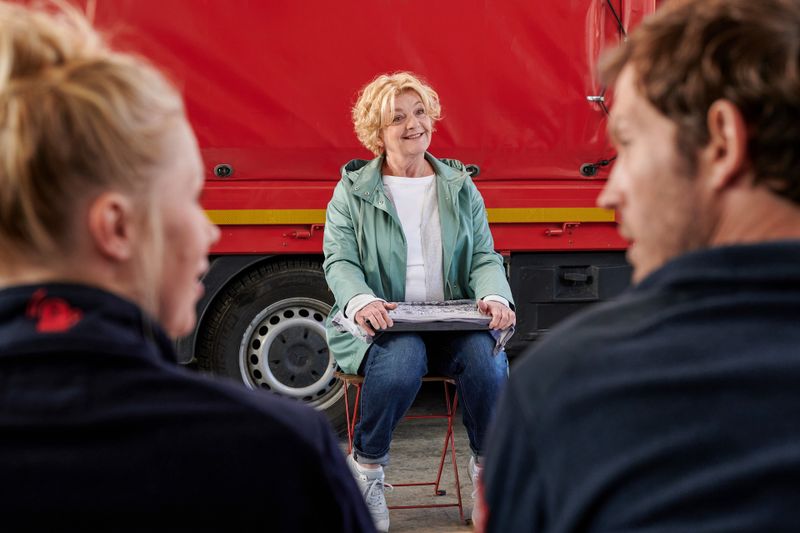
[[408, 195]]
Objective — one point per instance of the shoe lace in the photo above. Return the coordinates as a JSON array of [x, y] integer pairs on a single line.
[[374, 493]]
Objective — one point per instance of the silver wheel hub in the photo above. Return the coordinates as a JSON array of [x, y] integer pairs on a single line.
[[284, 350]]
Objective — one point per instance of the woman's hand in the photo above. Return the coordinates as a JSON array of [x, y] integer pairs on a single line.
[[375, 316], [502, 316]]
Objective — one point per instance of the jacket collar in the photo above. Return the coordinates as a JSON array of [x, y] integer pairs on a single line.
[[758, 263], [365, 176], [52, 316]]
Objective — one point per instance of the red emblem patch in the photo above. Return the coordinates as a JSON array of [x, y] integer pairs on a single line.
[[53, 315]]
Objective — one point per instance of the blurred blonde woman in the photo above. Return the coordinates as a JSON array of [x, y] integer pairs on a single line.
[[102, 246], [408, 227]]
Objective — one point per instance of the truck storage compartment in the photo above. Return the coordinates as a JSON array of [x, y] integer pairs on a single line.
[[548, 287]]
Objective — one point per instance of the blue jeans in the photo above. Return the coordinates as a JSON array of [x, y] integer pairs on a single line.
[[393, 369]]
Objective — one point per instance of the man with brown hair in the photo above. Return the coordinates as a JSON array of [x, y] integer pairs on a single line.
[[677, 407]]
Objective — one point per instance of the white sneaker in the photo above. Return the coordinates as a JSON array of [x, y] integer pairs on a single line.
[[475, 472], [370, 483]]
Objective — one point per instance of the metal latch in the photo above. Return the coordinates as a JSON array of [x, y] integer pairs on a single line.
[[304, 234], [575, 277], [566, 227], [599, 99]]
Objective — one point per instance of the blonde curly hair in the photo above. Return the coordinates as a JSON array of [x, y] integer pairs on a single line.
[[375, 106]]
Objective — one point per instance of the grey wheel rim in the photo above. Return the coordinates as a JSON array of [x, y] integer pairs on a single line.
[[284, 350]]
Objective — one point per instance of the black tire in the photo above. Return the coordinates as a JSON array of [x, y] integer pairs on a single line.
[[266, 329]]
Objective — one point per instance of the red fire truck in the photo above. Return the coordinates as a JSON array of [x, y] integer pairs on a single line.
[[269, 86]]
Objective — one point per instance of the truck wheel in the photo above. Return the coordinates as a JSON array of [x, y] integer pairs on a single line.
[[267, 329]]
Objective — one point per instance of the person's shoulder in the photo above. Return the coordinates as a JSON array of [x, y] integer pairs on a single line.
[[357, 175], [556, 361], [252, 411], [579, 342]]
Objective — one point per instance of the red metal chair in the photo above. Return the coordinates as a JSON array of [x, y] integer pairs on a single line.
[[450, 402]]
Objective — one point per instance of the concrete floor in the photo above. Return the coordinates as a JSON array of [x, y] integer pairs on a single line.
[[415, 453]]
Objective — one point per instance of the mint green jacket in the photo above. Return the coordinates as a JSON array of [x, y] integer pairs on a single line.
[[365, 248]]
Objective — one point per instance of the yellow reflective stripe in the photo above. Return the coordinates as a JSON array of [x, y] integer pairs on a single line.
[[233, 217], [549, 214]]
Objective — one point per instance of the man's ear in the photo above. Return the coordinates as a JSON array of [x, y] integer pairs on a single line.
[[726, 153], [112, 226]]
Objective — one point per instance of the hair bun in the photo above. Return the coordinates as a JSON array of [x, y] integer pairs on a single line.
[[75, 117]]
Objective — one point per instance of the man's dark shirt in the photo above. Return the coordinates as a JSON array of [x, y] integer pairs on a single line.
[[99, 426], [674, 409]]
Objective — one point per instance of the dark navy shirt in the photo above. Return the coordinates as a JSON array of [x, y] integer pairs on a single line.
[[99, 426], [674, 409]]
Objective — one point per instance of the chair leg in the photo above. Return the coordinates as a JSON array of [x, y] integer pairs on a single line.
[[447, 436], [351, 420], [455, 461], [347, 417], [451, 411]]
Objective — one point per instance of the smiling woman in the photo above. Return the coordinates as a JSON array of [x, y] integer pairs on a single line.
[[378, 107], [409, 227], [409, 132]]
